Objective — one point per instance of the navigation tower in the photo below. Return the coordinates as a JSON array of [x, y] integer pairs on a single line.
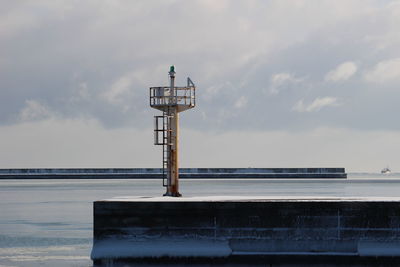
[[170, 100]]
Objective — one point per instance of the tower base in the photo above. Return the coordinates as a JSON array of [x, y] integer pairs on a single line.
[[170, 194]]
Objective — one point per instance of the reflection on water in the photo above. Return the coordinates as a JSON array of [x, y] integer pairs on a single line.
[[49, 222]]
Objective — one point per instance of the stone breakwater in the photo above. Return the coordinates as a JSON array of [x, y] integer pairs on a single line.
[[185, 173]]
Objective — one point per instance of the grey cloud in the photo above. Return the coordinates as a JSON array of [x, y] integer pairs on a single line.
[[97, 59]]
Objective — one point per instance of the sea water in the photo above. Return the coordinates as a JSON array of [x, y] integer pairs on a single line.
[[49, 222]]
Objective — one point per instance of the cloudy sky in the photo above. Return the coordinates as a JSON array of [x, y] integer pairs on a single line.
[[279, 83]]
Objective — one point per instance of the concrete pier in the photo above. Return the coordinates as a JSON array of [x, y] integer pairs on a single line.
[[185, 173], [230, 230]]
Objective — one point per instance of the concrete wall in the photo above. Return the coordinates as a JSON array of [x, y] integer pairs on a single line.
[[185, 173], [129, 229]]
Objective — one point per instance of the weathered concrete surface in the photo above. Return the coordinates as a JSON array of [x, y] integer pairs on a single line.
[[185, 173], [355, 230]]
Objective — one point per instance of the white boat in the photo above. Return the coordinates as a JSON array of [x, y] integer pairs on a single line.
[[386, 170]]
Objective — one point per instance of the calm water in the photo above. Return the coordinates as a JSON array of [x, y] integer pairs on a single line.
[[49, 222]]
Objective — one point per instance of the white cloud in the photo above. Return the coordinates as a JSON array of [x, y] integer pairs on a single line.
[[34, 110], [384, 71], [115, 95], [81, 93], [316, 105], [241, 102], [121, 91], [212, 91], [342, 72], [282, 80], [215, 91]]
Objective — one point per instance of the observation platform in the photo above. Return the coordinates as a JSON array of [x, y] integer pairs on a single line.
[[229, 230]]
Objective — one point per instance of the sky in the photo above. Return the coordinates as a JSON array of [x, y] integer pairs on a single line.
[[279, 83]]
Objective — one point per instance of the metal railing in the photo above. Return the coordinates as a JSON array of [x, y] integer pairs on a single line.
[[181, 96]]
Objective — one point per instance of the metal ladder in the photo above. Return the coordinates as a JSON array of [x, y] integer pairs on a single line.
[[161, 137]]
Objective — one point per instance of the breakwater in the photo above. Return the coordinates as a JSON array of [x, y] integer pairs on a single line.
[[283, 230], [185, 173]]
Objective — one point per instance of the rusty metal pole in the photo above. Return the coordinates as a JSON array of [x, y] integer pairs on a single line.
[[173, 189], [173, 168]]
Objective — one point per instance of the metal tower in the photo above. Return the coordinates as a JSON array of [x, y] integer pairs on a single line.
[[170, 100]]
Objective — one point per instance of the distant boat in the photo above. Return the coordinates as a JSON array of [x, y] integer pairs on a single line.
[[386, 170]]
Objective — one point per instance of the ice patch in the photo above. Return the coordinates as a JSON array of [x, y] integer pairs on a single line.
[[117, 248]]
